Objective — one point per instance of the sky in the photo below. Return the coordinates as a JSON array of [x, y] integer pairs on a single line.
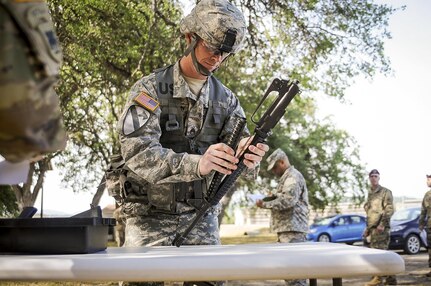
[[388, 116]]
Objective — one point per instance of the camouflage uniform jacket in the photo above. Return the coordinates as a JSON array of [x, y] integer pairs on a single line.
[[289, 208], [424, 220], [379, 207], [149, 164]]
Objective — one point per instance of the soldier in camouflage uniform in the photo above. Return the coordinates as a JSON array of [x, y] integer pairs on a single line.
[[171, 132], [425, 221], [288, 205], [379, 209], [30, 58]]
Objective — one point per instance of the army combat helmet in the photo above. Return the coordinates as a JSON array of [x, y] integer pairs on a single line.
[[219, 23]]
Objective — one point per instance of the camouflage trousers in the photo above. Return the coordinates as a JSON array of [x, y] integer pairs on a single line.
[[380, 240], [160, 230], [292, 237], [428, 231]]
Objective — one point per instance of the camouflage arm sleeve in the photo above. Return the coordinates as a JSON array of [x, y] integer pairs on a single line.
[[388, 209], [423, 214], [286, 197], [366, 206], [143, 153]]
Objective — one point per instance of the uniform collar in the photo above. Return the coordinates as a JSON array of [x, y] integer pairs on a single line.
[[377, 189], [181, 88], [288, 170]]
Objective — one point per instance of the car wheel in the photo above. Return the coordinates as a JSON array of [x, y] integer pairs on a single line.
[[324, 238], [412, 244]]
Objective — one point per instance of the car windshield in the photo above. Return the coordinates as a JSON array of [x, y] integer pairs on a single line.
[[323, 221], [407, 214]]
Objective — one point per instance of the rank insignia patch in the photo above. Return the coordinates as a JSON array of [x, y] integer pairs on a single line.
[[146, 101]]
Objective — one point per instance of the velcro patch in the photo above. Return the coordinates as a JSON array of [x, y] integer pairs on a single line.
[[135, 118], [147, 101]]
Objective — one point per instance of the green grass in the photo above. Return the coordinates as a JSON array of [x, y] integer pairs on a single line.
[[262, 236]]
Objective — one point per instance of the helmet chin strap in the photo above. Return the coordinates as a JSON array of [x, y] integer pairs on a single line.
[[200, 68], [191, 49]]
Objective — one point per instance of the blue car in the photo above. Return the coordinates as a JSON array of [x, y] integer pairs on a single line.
[[405, 233], [339, 228]]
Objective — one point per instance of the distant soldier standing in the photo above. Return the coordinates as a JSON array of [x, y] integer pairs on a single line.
[[288, 205], [379, 208], [425, 221]]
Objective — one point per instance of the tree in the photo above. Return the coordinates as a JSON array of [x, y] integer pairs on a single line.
[[322, 43], [325, 44], [8, 205], [25, 193], [107, 47]]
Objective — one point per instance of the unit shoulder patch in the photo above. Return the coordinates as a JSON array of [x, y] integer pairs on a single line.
[[146, 101], [135, 118]]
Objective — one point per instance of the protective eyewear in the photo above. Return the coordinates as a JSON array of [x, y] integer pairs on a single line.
[[214, 51]]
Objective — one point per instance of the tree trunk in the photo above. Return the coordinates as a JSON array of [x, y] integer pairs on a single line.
[[26, 194], [99, 193]]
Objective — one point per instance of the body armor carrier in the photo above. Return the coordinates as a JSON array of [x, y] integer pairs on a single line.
[[174, 114]]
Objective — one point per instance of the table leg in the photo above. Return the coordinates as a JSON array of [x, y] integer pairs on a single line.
[[313, 282], [337, 282]]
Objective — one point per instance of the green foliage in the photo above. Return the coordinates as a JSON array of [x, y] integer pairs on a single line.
[[108, 45], [322, 43], [8, 205], [327, 157]]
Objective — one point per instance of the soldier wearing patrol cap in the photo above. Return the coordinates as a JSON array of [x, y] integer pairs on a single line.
[[379, 209], [171, 132], [30, 59], [288, 204], [424, 219]]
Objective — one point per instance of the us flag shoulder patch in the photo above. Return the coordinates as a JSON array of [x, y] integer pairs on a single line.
[[147, 101]]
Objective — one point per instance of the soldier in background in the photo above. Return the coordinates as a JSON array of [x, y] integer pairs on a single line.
[[379, 209], [171, 132], [30, 58], [425, 221], [288, 205]]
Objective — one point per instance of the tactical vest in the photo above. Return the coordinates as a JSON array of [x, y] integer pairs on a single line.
[[172, 122], [173, 116], [30, 59]]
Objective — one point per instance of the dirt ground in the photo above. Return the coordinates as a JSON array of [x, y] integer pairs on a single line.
[[416, 268]]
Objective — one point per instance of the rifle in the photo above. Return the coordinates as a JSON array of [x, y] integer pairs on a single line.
[[286, 92], [232, 140]]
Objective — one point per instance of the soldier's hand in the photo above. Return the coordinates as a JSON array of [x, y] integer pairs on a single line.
[[421, 227], [366, 233], [257, 152], [218, 157], [380, 228], [259, 203]]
